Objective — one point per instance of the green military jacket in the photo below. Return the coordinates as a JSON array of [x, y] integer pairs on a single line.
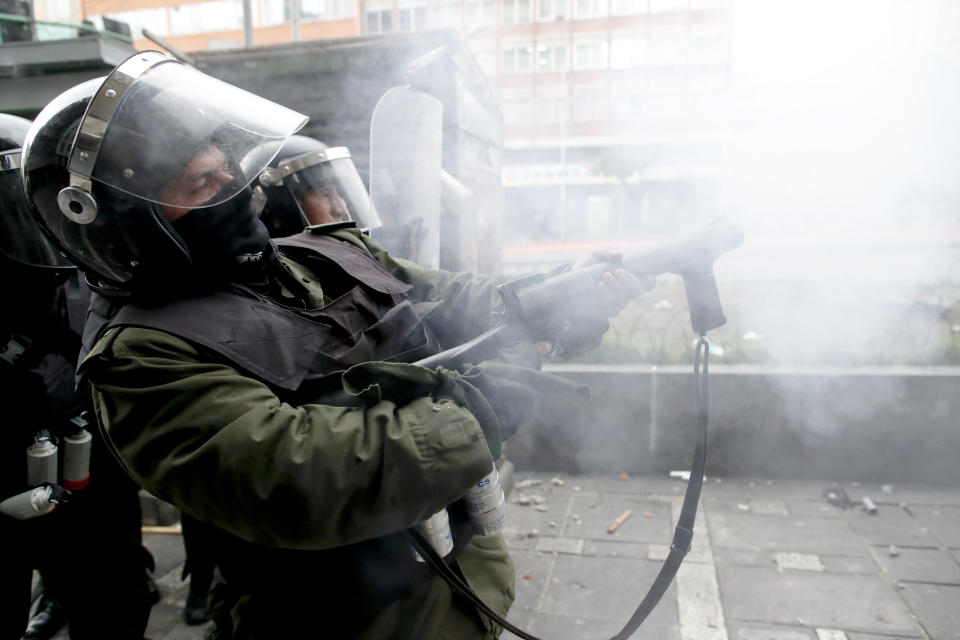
[[221, 446]]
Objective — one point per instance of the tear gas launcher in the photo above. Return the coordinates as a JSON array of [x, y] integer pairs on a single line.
[[541, 307]]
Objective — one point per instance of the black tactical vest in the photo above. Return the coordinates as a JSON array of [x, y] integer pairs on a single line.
[[300, 354]]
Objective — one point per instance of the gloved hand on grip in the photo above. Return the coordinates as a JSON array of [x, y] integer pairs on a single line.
[[502, 397]]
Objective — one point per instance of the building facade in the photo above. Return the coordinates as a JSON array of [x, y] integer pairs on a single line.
[[616, 112]]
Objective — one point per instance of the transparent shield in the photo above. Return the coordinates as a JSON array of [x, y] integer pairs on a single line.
[[406, 135], [179, 137]]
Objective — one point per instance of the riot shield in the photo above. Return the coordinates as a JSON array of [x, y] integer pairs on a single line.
[[406, 134]]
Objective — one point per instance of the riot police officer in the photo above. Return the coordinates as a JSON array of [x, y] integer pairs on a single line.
[[87, 548], [259, 386]]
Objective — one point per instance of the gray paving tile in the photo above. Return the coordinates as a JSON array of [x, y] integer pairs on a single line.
[[607, 588], [533, 571], [891, 525], [819, 508], [616, 549], [801, 535], [921, 565], [522, 519], [848, 602], [936, 608], [846, 564], [747, 557], [757, 631], [592, 522], [943, 522], [554, 626]]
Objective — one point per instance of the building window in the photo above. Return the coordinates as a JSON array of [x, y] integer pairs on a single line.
[[590, 54], [516, 11], [379, 20], [516, 58], [628, 50], [412, 18], [665, 6], [589, 9], [668, 47], [552, 10], [628, 7], [273, 12], [551, 56], [481, 13], [551, 107], [154, 20], [625, 102], [708, 46], [698, 5], [445, 16], [326, 9], [589, 104], [205, 17], [517, 108]]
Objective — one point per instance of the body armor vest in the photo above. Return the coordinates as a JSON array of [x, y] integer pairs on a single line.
[[300, 354]]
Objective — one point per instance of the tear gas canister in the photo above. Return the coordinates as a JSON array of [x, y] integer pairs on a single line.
[[436, 529], [30, 504], [486, 505], [76, 460], [42, 460]]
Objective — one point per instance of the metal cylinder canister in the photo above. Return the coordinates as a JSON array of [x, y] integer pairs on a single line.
[[29, 504], [436, 529], [76, 460], [486, 505], [41, 461]]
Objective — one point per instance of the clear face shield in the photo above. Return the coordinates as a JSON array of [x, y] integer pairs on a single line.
[[21, 240], [326, 187], [167, 133]]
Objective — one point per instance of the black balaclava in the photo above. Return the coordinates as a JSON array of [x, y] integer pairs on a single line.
[[227, 242]]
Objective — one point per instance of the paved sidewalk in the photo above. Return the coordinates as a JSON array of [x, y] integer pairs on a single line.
[[772, 560]]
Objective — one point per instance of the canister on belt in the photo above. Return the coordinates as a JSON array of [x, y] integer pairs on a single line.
[[436, 529], [76, 460], [31, 503], [42, 460], [486, 505]]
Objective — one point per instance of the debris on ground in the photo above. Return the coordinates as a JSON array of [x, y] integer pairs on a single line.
[[553, 524], [837, 497], [530, 482], [542, 509], [743, 506], [527, 576], [887, 489], [557, 482], [869, 506], [525, 500], [533, 533], [893, 550], [649, 514], [619, 521], [624, 475], [577, 489], [681, 475]]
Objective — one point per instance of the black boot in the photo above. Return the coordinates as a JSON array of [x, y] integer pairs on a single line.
[[47, 620], [195, 610]]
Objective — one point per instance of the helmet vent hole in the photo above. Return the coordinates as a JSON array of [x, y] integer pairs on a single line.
[[76, 207]]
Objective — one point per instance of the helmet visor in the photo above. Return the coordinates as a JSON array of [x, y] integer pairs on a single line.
[[330, 189], [20, 238], [178, 137]]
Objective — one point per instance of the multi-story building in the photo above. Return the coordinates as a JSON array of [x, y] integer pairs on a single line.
[[615, 111]]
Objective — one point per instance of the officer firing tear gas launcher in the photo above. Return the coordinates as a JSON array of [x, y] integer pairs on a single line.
[[263, 386]]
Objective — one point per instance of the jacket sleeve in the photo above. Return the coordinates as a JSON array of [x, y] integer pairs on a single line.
[[471, 302], [222, 447]]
